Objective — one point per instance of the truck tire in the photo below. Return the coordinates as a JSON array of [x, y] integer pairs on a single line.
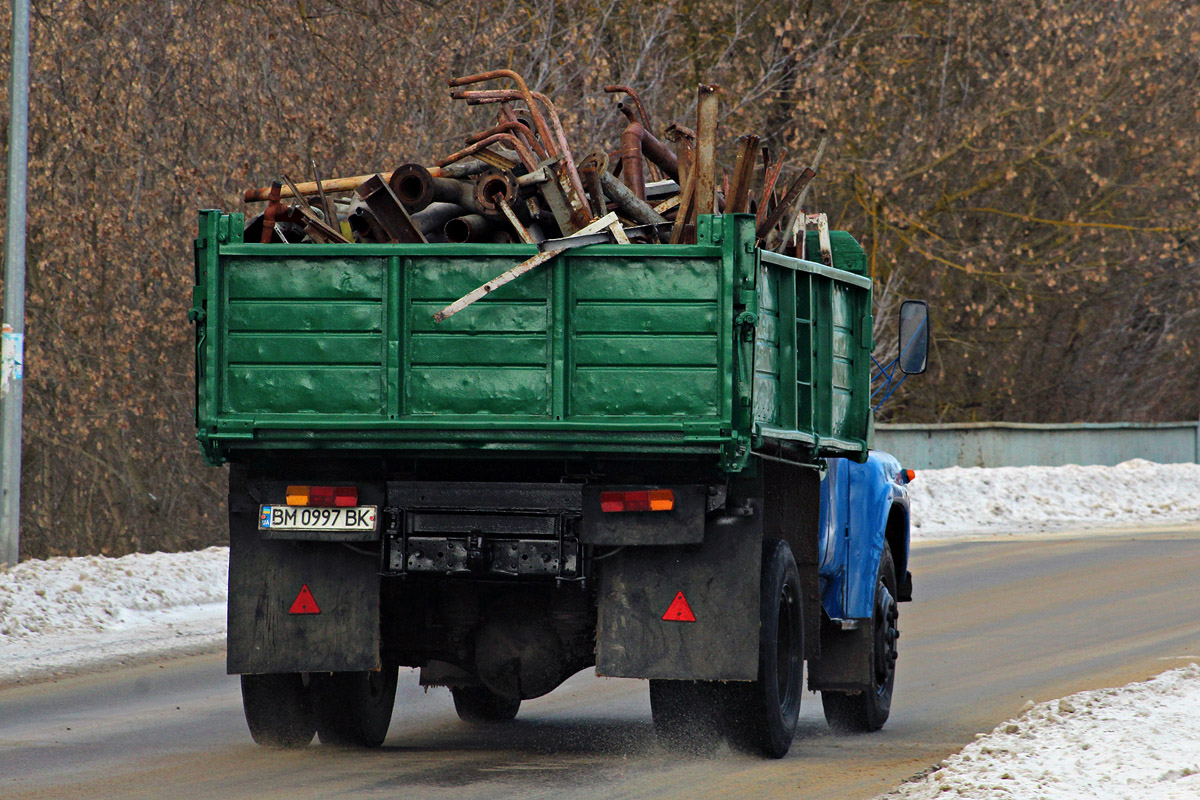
[[868, 710], [354, 709], [480, 704], [761, 714], [279, 710], [764, 713]]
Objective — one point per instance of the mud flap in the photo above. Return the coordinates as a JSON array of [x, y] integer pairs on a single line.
[[719, 582], [339, 629], [845, 662]]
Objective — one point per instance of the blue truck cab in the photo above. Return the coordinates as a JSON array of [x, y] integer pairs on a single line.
[[863, 546]]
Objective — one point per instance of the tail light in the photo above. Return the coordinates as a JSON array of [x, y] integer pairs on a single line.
[[322, 496], [638, 500]]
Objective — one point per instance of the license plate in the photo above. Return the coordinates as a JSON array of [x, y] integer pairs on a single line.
[[305, 518]]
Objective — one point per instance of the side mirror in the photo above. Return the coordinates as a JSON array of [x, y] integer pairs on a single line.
[[914, 336]]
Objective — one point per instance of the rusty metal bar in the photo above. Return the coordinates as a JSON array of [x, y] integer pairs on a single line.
[[781, 207], [520, 229], [273, 208], [706, 148], [737, 199]]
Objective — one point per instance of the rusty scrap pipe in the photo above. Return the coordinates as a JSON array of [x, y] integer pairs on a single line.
[[538, 121], [434, 216], [659, 154], [416, 189], [310, 188], [628, 203], [632, 168], [468, 228], [481, 97], [522, 133], [523, 153], [641, 109]]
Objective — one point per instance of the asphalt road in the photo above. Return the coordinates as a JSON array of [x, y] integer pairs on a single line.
[[995, 624]]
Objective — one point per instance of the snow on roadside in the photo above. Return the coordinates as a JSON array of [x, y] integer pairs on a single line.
[[66, 614], [1136, 741], [952, 503], [63, 614]]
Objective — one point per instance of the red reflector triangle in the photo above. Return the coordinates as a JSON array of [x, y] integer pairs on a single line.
[[305, 603], [679, 610]]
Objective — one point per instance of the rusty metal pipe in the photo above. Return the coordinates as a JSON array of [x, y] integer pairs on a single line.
[[632, 168], [628, 203], [493, 187], [481, 97], [416, 189], [523, 152], [311, 188], [637, 101], [434, 216], [538, 121], [468, 228], [659, 154], [517, 128]]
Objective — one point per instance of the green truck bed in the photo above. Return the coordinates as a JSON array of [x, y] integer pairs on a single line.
[[710, 349]]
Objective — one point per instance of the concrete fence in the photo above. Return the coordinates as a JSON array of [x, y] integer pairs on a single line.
[[1020, 444]]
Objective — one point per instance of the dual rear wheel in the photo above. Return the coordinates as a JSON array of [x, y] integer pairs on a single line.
[[286, 710]]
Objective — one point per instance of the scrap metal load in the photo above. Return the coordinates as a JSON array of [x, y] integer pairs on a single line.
[[518, 181]]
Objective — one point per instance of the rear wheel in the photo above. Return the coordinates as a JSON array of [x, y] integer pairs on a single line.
[[868, 710], [355, 708], [279, 709], [761, 714], [479, 704]]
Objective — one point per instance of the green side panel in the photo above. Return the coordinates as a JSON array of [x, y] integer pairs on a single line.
[[646, 351], [766, 348], [643, 337], [304, 336], [491, 358], [513, 350], [470, 390], [812, 372], [628, 391], [305, 390], [311, 316], [302, 348]]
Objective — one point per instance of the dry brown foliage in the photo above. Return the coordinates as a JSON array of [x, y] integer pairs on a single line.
[[1028, 167]]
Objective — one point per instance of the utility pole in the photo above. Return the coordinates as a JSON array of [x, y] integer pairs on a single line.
[[12, 354]]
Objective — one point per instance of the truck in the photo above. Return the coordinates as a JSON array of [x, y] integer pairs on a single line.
[[653, 460]]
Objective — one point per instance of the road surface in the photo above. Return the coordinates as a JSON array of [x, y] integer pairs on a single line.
[[995, 623]]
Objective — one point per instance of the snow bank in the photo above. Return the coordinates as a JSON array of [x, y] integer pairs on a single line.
[[68, 613], [950, 503], [1137, 741]]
